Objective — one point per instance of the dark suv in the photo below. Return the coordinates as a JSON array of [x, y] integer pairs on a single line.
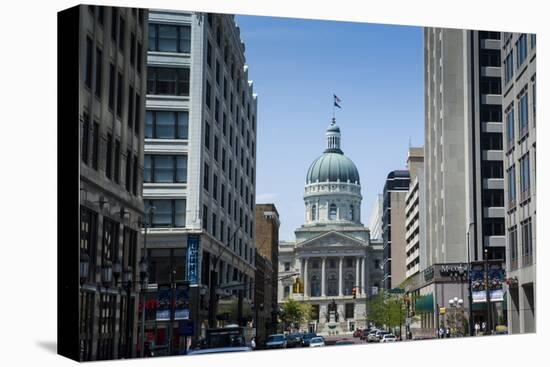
[[307, 338], [294, 340]]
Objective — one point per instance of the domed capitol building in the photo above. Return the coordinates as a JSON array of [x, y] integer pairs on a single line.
[[333, 257]]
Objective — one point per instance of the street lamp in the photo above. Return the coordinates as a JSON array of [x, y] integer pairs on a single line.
[[470, 319], [456, 307]]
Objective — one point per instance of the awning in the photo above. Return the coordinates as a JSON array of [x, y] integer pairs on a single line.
[[424, 304]]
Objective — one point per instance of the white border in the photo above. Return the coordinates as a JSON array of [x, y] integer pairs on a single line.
[[28, 156]]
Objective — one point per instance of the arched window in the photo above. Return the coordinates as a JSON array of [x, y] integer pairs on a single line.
[[332, 212], [286, 292], [348, 283], [314, 212], [350, 213], [315, 286], [332, 285]]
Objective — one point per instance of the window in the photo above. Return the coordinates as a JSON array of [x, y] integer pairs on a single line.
[[523, 114], [121, 34], [206, 177], [490, 85], [109, 251], [130, 107], [207, 135], [509, 67], [488, 57], [527, 241], [521, 50], [350, 213], [114, 23], [216, 143], [217, 72], [167, 213], [88, 65], [511, 173], [119, 95], [350, 310], [513, 245], [85, 133], [491, 141], [332, 212], [209, 54], [225, 88], [223, 159], [169, 38], [349, 282], [214, 221], [217, 110], [165, 168], [112, 76], [204, 217], [491, 113], [492, 169], [314, 212], [95, 144], [139, 56], [510, 127], [109, 157], [133, 49], [98, 69], [489, 35], [208, 94], [128, 170], [493, 227], [215, 186], [117, 161], [167, 124], [286, 292], [135, 176], [315, 286], [137, 120], [493, 198], [101, 15], [168, 81], [88, 236], [222, 196], [533, 40], [534, 102], [524, 181], [229, 203]]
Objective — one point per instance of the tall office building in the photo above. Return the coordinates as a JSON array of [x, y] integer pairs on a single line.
[[394, 229], [267, 246], [415, 207], [463, 160], [200, 164], [111, 94], [519, 104], [375, 218]]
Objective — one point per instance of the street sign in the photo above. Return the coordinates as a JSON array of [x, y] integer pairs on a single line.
[[185, 328], [396, 291], [442, 310]]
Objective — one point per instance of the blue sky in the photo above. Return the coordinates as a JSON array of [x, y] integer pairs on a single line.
[[296, 66]]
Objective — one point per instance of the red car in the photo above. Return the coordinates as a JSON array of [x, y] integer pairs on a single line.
[[358, 333]]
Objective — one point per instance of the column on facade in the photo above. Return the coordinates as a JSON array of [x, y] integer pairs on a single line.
[[340, 277], [357, 276], [323, 276], [364, 277], [306, 285]]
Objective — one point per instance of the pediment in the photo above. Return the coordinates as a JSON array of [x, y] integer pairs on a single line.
[[331, 239]]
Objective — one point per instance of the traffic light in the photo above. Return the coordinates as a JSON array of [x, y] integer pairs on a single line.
[[354, 292]]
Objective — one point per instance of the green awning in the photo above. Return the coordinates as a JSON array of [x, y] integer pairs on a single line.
[[424, 304]]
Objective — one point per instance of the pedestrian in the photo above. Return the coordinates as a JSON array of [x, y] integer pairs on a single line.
[[441, 333], [448, 332], [476, 327], [483, 326], [253, 343]]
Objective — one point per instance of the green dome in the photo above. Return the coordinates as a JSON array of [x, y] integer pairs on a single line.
[[332, 166]]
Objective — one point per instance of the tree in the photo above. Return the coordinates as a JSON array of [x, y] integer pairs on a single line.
[[387, 309], [294, 313]]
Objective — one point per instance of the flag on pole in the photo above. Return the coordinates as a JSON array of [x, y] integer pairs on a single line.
[[336, 105], [336, 99]]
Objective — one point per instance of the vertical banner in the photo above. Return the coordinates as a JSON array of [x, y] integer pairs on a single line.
[[163, 302], [495, 279], [182, 302], [193, 265]]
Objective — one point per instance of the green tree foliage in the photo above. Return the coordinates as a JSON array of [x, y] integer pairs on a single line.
[[387, 309], [294, 313]]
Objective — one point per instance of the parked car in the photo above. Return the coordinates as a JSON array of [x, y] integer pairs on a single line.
[[307, 337], [218, 350], [294, 340], [317, 342], [344, 342], [371, 337], [357, 333], [388, 338], [380, 333], [276, 341]]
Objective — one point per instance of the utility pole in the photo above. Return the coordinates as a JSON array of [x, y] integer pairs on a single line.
[[487, 292]]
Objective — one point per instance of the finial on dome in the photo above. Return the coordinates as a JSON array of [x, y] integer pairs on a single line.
[[333, 137]]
